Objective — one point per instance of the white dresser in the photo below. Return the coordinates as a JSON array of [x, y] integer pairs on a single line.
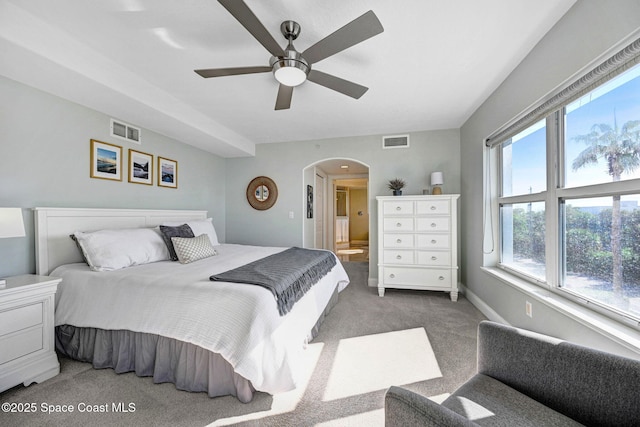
[[27, 352], [418, 243]]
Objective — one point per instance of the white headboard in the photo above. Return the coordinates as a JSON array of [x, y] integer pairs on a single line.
[[53, 226]]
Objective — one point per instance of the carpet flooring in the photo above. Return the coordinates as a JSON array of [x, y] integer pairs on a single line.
[[420, 340]]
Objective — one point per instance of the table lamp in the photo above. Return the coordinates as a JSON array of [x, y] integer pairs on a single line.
[[437, 179], [11, 225]]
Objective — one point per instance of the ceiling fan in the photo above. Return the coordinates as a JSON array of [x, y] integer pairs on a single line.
[[292, 68]]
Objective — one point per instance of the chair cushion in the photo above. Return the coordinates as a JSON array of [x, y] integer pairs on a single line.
[[486, 401]]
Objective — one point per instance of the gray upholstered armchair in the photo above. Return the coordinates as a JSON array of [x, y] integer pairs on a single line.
[[528, 379]]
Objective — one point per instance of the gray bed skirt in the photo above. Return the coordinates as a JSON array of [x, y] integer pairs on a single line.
[[188, 366]]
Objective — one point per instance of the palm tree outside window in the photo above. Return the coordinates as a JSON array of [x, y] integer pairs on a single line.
[[589, 200]]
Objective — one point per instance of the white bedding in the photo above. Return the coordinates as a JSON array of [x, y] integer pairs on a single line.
[[238, 321]]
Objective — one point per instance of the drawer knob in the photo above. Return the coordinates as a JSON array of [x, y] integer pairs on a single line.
[[441, 278], [398, 224], [433, 208], [399, 241], [434, 241], [392, 276], [398, 256], [433, 258], [433, 224], [398, 208]]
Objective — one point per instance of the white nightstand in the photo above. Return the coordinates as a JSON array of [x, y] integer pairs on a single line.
[[27, 350]]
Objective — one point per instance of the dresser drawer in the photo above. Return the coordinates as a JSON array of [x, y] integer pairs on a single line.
[[19, 318], [417, 277], [435, 207], [21, 344], [399, 207], [398, 224], [398, 257], [433, 258], [398, 240], [433, 224], [433, 241]]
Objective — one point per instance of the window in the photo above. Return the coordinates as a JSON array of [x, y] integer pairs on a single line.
[[569, 197], [524, 162]]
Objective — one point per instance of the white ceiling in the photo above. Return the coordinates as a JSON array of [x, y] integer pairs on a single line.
[[432, 67]]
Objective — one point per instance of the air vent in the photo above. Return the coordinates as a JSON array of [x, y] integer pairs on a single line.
[[125, 131], [395, 141]]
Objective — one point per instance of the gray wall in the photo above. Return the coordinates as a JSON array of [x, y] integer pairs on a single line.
[[284, 163], [587, 30], [44, 161]]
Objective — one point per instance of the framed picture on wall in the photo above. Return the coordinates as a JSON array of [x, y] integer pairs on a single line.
[[140, 167], [309, 201], [167, 173], [106, 160]]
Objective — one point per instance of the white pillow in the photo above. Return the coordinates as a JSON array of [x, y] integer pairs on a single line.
[[107, 250], [200, 226], [190, 249]]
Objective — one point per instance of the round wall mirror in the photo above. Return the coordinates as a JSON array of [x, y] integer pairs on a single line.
[[262, 193]]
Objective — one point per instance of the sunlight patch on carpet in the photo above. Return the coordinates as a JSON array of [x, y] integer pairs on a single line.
[[283, 402], [365, 419], [375, 362]]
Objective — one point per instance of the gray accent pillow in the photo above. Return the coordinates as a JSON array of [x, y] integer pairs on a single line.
[[168, 232]]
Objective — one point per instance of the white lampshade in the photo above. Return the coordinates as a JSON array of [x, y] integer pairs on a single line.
[[290, 76], [11, 223], [437, 178]]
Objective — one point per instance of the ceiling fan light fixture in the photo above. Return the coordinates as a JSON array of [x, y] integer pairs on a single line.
[[290, 75], [291, 70]]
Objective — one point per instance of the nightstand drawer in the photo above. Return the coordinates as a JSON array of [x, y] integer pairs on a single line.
[[398, 224], [20, 318], [398, 240], [398, 257], [18, 345]]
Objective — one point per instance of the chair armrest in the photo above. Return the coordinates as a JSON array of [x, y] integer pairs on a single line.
[[404, 408]]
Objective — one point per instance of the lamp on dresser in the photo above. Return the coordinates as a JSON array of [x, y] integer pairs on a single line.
[[437, 179], [11, 225]]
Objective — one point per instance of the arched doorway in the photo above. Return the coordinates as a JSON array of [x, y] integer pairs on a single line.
[[337, 207]]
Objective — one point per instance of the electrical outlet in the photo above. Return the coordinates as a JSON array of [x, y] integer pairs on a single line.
[[290, 214], [528, 309]]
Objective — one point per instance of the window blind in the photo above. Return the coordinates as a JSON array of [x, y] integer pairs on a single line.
[[607, 70]]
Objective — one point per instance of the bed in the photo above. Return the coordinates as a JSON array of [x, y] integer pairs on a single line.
[[167, 319]]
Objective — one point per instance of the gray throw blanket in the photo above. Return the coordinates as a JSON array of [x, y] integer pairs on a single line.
[[288, 274]]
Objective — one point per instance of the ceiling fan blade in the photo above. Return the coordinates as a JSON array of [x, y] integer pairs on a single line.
[[246, 17], [283, 102], [356, 31], [220, 72], [346, 87]]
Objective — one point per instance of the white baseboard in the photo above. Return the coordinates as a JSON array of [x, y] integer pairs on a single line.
[[478, 303], [373, 282]]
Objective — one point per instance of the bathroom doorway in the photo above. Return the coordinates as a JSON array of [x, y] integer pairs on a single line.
[[337, 208], [351, 215]]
